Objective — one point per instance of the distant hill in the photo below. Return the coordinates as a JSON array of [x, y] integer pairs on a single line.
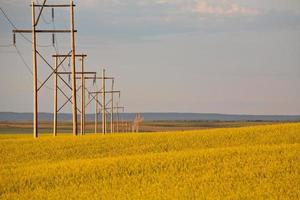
[[11, 116]]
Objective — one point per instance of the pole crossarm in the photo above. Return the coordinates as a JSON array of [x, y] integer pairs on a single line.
[[116, 108], [53, 5], [68, 55], [42, 31], [106, 92], [98, 78], [77, 73]]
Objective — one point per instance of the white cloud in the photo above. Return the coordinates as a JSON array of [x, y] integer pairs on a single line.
[[212, 7], [95, 3], [203, 7]]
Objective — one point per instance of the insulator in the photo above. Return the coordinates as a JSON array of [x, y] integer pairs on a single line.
[[53, 39], [52, 14], [14, 38], [69, 65], [94, 81]]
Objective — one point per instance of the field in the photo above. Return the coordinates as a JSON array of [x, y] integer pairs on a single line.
[[146, 126], [255, 162]]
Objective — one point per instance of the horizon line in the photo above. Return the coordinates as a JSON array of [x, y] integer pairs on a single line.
[[173, 112]]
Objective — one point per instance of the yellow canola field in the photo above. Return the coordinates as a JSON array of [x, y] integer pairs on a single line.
[[259, 162]]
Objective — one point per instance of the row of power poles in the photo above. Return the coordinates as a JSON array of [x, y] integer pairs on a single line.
[[74, 74]]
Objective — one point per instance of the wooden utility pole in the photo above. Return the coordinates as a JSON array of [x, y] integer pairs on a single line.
[[56, 75], [96, 113], [74, 106], [82, 123], [103, 103], [104, 109], [55, 100], [35, 52], [118, 118], [34, 63], [96, 98], [117, 121], [112, 108]]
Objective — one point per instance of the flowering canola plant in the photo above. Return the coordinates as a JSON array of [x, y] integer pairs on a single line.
[[257, 162]]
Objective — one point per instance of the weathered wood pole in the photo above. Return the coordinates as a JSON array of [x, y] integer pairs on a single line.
[[112, 107], [118, 118], [55, 100], [34, 71], [103, 103], [82, 123], [74, 105], [96, 114]]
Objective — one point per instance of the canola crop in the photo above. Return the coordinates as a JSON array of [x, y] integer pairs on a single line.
[[259, 162]]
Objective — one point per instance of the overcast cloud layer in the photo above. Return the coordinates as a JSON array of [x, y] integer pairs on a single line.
[[216, 56]]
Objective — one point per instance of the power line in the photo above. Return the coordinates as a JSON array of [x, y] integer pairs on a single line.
[[42, 15], [6, 45], [5, 15], [15, 27], [56, 48], [23, 60], [55, 45], [18, 51], [28, 67]]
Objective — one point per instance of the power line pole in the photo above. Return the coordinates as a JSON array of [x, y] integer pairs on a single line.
[[104, 109], [96, 98], [96, 113], [74, 89], [35, 52], [55, 100], [112, 108], [117, 108], [74, 106], [118, 119], [103, 103], [56, 74], [34, 63], [82, 123]]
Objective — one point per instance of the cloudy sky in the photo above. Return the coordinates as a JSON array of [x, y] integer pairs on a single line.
[[208, 56]]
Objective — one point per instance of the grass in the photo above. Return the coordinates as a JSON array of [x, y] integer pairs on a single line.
[[259, 162]]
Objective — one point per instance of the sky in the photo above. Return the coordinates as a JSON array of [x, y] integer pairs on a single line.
[[201, 56]]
